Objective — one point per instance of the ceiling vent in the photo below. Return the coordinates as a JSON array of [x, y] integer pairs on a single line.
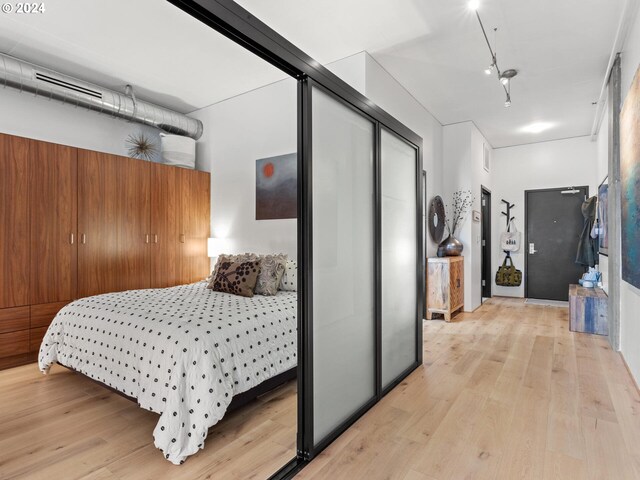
[[71, 86]]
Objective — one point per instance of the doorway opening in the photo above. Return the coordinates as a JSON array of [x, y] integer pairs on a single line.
[[485, 207]]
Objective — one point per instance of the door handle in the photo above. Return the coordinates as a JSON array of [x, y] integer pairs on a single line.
[[155, 238], [71, 238], [146, 238], [532, 249], [182, 238], [83, 238]]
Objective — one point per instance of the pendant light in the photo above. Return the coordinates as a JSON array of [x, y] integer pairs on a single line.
[[504, 77]]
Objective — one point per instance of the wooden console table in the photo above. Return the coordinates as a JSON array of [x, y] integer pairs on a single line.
[[445, 286], [588, 310]]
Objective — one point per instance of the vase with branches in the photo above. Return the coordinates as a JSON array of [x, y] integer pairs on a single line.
[[462, 202], [455, 216]]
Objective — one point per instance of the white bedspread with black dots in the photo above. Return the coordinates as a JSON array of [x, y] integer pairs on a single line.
[[183, 352]]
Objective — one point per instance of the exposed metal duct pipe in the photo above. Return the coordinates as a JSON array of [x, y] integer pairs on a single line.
[[27, 77]]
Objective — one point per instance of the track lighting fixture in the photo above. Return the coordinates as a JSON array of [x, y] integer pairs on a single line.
[[504, 77]]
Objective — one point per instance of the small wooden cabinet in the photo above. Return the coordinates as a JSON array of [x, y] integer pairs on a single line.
[[445, 286]]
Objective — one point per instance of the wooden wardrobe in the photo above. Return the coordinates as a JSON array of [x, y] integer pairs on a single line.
[[75, 223]]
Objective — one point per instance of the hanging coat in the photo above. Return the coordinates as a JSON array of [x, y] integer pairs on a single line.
[[587, 247]]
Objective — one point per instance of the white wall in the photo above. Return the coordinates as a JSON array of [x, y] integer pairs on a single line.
[[559, 163], [238, 131], [35, 117], [391, 96], [463, 170], [262, 123], [352, 70], [629, 295]]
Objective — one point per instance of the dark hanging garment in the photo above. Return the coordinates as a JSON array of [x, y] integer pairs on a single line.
[[587, 246]]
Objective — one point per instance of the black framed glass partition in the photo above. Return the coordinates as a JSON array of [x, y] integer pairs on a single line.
[[343, 270], [361, 265], [360, 241], [399, 169]]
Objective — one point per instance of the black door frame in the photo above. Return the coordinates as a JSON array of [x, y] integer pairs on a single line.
[[526, 227], [487, 247], [237, 24]]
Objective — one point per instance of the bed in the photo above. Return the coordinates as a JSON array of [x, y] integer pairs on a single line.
[[184, 352]]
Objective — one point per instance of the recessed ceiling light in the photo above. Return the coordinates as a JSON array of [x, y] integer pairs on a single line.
[[537, 127], [474, 5]]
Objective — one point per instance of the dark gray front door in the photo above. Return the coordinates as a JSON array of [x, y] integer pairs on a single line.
[[553, 225]]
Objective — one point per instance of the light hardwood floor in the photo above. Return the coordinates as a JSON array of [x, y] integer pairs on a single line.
[[64, 426], [507, 392]]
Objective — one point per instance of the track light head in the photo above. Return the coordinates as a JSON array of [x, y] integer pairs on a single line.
[[474, 5], [507, 103], [489, 69], [507, 75]]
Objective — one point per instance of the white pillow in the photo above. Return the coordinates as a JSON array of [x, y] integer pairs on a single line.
[[289, 282]]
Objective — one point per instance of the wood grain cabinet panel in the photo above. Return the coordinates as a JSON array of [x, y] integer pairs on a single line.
[[35, 338], [445, 286], [97, 228], [13, 319], [53, 218], [43, 314], [14, 343], [14, 221], [113, 223], [166, 205], [133, 224], [195, 218]]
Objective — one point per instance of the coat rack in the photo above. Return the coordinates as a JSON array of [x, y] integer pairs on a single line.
[[509, 218]]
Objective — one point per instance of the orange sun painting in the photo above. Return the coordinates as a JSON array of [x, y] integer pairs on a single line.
[[276, 187]]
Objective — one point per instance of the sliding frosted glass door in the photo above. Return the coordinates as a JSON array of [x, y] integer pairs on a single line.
[[400, 262], [343, 260]]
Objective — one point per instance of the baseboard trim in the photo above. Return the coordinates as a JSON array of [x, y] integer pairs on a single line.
[[633, 379]]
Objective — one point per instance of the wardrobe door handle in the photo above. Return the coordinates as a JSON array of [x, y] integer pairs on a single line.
[[83, 238], [182, 238], [146, 238], [71, 239], [155, 238]]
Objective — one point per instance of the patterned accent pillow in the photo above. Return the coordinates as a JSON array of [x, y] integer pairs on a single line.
[[289, 282], [238, 278], [225, 257], [271, 271]]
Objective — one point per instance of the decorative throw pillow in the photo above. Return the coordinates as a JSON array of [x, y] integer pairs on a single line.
[[223, 258], [238, 278], [271, 271], [289, 282]]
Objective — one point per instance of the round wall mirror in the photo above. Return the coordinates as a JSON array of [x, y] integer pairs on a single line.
[[436, 219]]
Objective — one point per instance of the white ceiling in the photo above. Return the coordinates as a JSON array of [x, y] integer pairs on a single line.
[[169, 57], [433, 47]]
